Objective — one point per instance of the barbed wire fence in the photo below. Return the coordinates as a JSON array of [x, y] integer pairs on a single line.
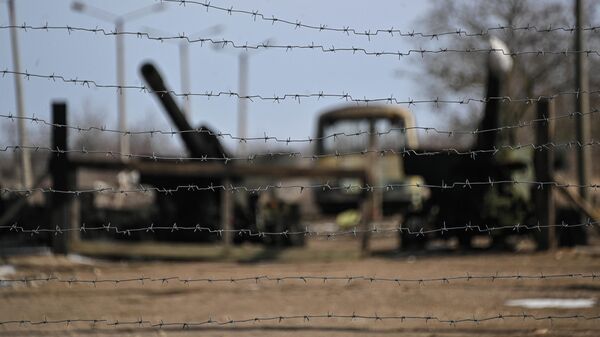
[[389, 32], [312, 46], [297, 96], [278, 280], [421, 231], [366, 187], [89, 128], [140, 323]]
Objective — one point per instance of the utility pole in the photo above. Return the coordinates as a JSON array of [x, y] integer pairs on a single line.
[[243, 103], [184, 68], [26, 175], [242, 92], [121, 104], [582, 127], [119, 22]]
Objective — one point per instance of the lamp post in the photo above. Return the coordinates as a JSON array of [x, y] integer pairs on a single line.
[[26, 174], [119, 22], [184, 60], [242, 112], [243, 104]]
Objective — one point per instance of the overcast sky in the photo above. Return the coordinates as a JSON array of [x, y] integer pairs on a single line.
[[272, 72]]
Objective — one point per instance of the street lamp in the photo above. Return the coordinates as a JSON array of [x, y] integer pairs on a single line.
[[242, 92], [119, 21], [26, 173], [184, 60]]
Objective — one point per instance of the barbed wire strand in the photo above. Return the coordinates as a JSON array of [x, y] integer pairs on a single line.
[[348, 30], [305, 279], [415, 231], [306, 318], [298, 155], [298, 97], [312, 46], [324, 186], [521, 124]]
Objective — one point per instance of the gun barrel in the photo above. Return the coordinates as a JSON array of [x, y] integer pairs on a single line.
[[194, 142]]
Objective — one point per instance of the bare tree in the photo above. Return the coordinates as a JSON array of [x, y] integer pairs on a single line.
[[533, 75]]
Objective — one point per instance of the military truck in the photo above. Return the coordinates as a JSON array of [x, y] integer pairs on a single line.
[[372, 138]]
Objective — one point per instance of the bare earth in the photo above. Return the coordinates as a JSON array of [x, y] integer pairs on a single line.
[[175, 301]]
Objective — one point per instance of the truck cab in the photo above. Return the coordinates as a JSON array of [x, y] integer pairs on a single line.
[[373, 138]]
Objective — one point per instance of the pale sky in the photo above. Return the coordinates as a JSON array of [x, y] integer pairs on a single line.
[[272, 72]]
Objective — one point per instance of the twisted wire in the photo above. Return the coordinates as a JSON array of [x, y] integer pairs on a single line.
[[297, 97], [305, 279], [517, 228], [312, 46], [521, 124], [306, 318], [324, 186], [252, 157], [348, 30]]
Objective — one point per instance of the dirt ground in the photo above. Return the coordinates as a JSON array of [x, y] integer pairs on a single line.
[[176, 301]]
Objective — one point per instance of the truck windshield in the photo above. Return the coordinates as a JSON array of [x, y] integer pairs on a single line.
[[353, 135]]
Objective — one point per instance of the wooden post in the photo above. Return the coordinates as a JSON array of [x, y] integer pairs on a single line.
[[582, 122], [367, 212], [63, 179], [227, 214], [373, 205], [544, 172]]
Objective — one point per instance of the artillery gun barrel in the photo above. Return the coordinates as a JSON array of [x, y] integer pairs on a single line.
[[195, 144], [499, 66]]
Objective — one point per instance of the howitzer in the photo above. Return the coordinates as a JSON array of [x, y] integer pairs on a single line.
[[207, 207], [185, 207], [198, 144]]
